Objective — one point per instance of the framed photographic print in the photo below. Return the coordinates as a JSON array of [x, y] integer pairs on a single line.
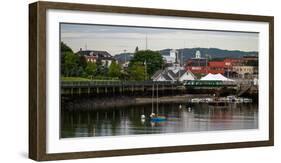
[[112, 81]]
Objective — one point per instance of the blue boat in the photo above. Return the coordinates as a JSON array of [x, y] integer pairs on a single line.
[[158, 119], [154, 117]]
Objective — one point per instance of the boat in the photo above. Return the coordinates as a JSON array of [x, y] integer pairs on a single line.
[[155, 117], [158, 119], [221, 100]]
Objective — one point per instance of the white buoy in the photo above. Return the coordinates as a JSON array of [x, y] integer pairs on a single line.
[[142, 116], [180, 106], [152, 115]]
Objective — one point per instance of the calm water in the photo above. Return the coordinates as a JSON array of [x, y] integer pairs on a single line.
[[127, 120]]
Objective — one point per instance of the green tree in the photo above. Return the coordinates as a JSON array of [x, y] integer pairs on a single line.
[[70, 64], [137, 71], [137, 49], [82, 62], [65, 48], [114, 70], [151, 59], [91, 69]]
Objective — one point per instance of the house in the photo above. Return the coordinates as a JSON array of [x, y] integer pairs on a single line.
[[161, 75], [173, 74], [186, 75], [95, 55], [246, 71]]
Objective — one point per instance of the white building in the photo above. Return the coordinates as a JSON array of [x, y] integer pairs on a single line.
[[173, 57], [173, 74], [95, 55]]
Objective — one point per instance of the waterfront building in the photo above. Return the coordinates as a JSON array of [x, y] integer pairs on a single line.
[[174, 72], [216, 67], [95, 55], [173, 75], [230, 67], [245, 71], [198, 64], [250, 58], [172, 57]]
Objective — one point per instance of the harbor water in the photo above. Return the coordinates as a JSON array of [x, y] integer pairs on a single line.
[[126, 120]]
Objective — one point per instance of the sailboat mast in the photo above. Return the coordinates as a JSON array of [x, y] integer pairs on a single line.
[[152, 97], [157, 99]]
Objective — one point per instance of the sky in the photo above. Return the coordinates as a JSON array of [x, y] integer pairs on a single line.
[[119, 39]]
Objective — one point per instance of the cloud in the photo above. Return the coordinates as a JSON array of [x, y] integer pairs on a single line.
[[117, 38]]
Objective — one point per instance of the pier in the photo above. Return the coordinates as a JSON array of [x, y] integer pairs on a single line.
[[114, 88], [145, 88]]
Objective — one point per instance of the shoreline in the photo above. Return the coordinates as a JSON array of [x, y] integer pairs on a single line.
[[111, 102]]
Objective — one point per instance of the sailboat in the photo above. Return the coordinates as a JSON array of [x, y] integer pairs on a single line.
[[155, 117]]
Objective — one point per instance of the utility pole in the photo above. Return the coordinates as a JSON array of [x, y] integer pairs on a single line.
[[181, 60], [206, 63], [146, 42], [145, 69], [125, 56], [228, 71]]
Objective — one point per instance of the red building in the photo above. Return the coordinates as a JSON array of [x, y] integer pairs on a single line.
[[213, 67], [216, 67]]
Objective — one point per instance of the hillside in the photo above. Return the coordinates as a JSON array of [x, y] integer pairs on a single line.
[[212, 52], [190, 53]]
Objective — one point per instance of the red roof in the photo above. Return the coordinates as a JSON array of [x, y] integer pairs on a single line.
[[217, 64], [204, 70]]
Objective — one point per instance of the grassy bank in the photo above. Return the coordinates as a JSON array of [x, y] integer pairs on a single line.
[[88, 79], [74, 79]]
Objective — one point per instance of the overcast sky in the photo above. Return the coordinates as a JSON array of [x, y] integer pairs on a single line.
[[116, 39]]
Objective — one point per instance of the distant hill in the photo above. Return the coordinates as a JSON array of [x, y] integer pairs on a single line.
[[212, 52], [190, 53]]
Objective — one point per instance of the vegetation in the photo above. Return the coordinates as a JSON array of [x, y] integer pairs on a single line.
[[152, 60], [91, 69], [74, 79], [75, 67], [137, 71], [114, 70]]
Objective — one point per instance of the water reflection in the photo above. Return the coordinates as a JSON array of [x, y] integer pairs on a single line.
[[77, 122]]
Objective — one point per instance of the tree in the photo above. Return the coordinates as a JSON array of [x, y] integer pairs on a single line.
[[82, 62], [70, 64], [152, 59], [137, 71], [65, 48], [114, 70], [102, 69], [137, 49], [91, 69]]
